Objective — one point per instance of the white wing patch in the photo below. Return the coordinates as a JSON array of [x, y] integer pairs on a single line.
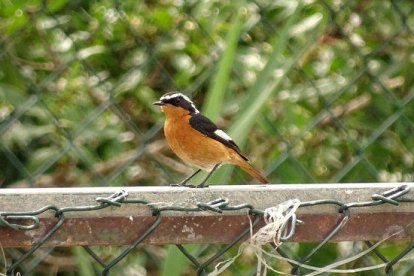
[[223, 135]]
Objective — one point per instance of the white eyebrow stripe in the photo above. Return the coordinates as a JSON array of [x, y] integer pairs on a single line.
[[195, 108], [223, 135], [186, 98], [168, 97], [175, 95]]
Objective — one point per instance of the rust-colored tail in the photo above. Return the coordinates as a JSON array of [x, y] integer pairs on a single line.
[[252, 171]]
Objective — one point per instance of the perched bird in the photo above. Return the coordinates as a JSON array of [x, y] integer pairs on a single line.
[[197, 140]]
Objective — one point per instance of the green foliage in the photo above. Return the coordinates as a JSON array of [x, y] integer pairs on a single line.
[[84, 266], [175, 262], [216, 94]]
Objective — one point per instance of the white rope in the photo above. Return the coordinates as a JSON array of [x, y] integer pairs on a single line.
[[276, 219]]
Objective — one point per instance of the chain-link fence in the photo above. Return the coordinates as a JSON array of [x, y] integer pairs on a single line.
[[313, 91], [223, 221]]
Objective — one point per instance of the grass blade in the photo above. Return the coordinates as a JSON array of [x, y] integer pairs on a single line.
[[264, 87], [175, 262], [84, 264], [215, 95]]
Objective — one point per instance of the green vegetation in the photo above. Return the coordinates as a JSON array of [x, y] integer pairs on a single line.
[[319, 91]]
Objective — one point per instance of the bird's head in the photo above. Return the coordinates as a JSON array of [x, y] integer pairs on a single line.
[[176, 103]]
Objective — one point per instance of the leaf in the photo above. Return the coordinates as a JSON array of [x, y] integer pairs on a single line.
[[175, 262], [84, 265], [218, 87], [257, 96]]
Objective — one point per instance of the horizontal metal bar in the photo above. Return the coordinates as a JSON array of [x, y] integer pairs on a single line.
[[125, 223]]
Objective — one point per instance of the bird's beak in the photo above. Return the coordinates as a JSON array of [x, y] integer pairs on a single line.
[[160, 103]]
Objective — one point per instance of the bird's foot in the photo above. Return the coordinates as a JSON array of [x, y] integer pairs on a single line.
[[179, 185], [201, 186], [188, 185], [182, 185]]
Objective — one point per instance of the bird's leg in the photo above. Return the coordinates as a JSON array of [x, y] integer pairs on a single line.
[[201, 185], [188, 178], [183, 183]]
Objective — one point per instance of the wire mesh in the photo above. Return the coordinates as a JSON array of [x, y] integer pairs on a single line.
[[77, 81], [29, 220]]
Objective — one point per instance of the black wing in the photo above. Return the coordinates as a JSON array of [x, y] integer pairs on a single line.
[[208, 128]]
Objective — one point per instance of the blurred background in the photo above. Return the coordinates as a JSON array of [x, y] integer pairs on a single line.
[[312, 91]]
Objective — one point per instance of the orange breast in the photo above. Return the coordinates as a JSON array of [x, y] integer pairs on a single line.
[[192, 146]]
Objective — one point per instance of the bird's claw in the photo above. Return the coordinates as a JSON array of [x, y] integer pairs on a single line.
[[201, 186], [188, 185]]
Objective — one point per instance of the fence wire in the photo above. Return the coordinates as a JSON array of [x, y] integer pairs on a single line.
[[77, 81], [393, 196]]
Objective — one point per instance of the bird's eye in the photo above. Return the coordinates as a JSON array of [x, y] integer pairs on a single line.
[[176, 101]]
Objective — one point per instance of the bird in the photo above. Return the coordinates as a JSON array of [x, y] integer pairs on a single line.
[[198, 141]]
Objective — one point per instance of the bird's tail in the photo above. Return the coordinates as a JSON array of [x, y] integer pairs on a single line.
[[252, 171]]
